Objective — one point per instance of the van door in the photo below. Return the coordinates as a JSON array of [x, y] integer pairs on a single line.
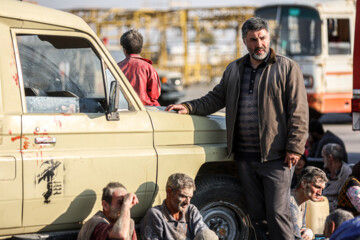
[[72, 151], [10, 137]]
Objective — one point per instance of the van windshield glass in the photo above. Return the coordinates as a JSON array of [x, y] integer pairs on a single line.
[[295, 30]]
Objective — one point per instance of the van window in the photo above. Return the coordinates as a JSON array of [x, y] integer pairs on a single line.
[[338, 36], [61, 75]]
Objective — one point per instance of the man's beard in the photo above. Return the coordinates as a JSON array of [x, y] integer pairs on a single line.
[[260, 57]]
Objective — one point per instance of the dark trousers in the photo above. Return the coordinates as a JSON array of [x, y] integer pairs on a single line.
[[267, 194]]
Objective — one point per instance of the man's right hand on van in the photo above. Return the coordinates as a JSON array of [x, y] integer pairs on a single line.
[[179, 108]]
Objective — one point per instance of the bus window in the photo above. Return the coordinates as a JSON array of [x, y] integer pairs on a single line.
[[338, 36], [294, 29]]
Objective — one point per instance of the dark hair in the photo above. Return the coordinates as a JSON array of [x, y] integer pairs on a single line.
[[356, 171], [316, 126], [132, 41], [109, 189], [253, 24]]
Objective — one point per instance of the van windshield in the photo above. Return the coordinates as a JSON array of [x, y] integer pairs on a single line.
[[295, 30]]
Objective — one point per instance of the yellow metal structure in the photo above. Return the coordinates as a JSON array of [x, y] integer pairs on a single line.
[[199, 26]]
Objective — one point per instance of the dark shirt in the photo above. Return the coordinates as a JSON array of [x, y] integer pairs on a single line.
[[101, 232]]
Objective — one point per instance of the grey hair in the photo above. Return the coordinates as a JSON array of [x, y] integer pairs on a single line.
[[335, 150], [311, 175], [254, 24], [338, 216], [179, 181], [109, 190]]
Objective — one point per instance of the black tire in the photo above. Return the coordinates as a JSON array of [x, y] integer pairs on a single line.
[[220, 201]]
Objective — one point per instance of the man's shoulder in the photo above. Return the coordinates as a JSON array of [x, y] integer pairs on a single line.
[[155, 211], [192, 208], [347, 169], [281, 59]]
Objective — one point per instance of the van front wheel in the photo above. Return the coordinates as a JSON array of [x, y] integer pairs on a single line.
[[220, 201]]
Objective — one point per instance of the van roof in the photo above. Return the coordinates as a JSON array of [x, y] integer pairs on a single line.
[[35, 13]]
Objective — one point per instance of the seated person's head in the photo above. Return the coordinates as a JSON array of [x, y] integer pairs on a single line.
[[334, 220], [132, 42], [179, 191], [356, 171], [311, 184], [316, 130], [112, 200], [333, 155]]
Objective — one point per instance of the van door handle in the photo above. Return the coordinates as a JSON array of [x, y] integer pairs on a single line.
[[45, 140]]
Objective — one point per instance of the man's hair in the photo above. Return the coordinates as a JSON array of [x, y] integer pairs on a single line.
[[356, 171], [253, 24], [109, 190], [312, 174], [132, 41], [179, 181], [316, 126], [335, 150], [338, 216]]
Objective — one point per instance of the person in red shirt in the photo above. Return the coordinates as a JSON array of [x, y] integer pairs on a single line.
[[114, 221], [139, 71]]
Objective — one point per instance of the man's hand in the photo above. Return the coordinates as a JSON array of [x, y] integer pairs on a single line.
[[291, 159], [306, 234], [179, 108], [130, 200]]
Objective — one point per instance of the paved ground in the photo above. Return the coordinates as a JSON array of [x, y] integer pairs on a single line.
[[340, 124]]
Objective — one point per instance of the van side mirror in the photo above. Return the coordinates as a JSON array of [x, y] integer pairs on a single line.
[[112, 113]]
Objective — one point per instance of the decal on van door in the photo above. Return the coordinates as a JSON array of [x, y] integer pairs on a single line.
[[48, 175]]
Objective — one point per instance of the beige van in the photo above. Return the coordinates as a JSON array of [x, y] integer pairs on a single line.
[[70, 123]]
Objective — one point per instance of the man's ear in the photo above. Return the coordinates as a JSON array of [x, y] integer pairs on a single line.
[[105, 205], [302, 185], [168, 191]]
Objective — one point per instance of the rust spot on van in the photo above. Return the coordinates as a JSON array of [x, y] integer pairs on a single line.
[[26, 141], [16, 79], [15, 138], [10, 132]]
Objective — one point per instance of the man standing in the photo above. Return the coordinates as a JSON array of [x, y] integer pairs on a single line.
[[114, 221], [338, 171], [267, 125], [139, 71], [310, 186], [176, 218]]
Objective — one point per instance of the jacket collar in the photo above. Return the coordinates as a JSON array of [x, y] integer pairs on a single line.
[[139, 57]]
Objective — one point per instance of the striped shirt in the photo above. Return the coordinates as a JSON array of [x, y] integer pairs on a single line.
[[247, 123]]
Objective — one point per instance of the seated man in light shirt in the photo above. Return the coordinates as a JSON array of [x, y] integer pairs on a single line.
[[310, 186]]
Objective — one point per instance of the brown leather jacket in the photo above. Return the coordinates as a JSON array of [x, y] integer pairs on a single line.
[[282, 105]]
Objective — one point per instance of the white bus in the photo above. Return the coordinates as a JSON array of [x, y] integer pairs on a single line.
[[318, 35]]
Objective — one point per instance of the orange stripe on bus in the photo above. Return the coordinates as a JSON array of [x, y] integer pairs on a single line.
[[339, 73], [330, 102]]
